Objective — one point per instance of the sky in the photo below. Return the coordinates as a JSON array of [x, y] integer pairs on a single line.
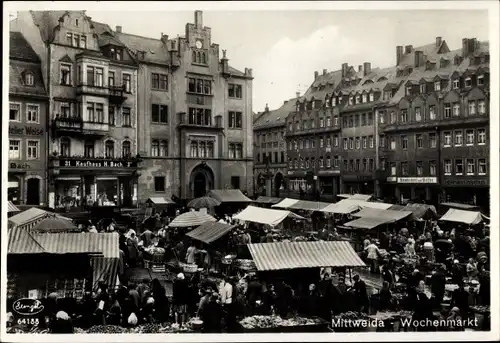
[[285, 47]]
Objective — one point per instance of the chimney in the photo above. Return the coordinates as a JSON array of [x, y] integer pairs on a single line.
[[316, 74], [439, 40], [198, 19], [360, 68], [399, 54], [297, 94], [164, 38], [345, 67], [465, 47], [367, 67], [472, 45], [418, 58], [285, 102], [408, 49], [325, 71], [266, 109], [118, 29], [225, 62]]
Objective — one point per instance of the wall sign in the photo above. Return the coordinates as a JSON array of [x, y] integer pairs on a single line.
[[13, 165], [97, 164], [466, 182], [25, 131], [431, 179]]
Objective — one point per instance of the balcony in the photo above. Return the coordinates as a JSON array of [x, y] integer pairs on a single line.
[[72, 124], [95, 90], [94, 128], [116, 95], [200, 123]]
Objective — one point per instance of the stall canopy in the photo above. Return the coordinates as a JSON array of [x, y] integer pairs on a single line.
[[293, 255], [210, 232], [192, 218], [286, 203], [387, 215], [364, 197], [308, 205], [265, 215], [375, 205], [31, 217], [20, 241], [228, 195], [461, 216], [367, 222], [160, 201], [421, 211], [342, 207], [460, 206], [268, 200], [12, 208]]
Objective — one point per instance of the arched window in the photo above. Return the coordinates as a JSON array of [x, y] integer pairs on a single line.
[[194, 56], [164, 148], [155, 148], [198, 57], [109, 148], [29, 79], [210, 149], [203, 150], [231, 151], [65, 147], [194, 149], [89, 149], [126, 150], [203, 58], [239, 150]]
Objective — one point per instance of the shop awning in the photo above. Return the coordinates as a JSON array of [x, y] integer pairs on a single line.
[[364, 197], [80, 243], [12, 208], [286, 203], [210, 232], [367, 222], [387, 215], [268, 200], [461, 216], [293, 255], [265, 215], [422, 210], [228, 195], [375, 205], [342, 207], [160, 201], [309, 205], [460, 206]]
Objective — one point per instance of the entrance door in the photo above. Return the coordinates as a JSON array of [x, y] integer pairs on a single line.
[[199, 185], [33, 192]]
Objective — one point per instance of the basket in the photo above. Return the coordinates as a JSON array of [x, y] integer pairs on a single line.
[[188, 268]]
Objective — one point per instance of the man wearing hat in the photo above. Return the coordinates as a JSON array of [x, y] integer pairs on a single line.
[[180, 298]]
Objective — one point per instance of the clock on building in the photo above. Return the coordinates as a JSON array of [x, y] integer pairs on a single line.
[[199, 44]]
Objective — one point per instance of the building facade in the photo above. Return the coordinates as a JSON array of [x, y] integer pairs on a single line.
[[437, 126], [196, 115], [28, 133], [92, 84], [270, 150]]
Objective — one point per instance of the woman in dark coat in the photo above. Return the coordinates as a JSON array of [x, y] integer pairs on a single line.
[[161, 305], [212, 315]]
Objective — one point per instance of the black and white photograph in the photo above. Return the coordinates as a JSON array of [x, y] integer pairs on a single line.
[[309, 169]]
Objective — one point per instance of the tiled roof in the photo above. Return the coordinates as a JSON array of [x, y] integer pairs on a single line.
[[154, 49], [100, 28], [430, 50], [275, 117], [106, 39], [236, 72], [328, 83], [19, 48], [47, 21]]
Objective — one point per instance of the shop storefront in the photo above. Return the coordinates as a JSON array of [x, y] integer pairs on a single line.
[[358, 184], [89, 182], [473, 191], [416, 189], [329, 183]]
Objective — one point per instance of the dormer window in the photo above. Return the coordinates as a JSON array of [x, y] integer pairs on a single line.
[[76, 22], [468, 82], [351, 100], [408, 90], [115, 53], [480, 80], [358, 99], [422, 88], [83, 42], [364, 98], [29, 79], [437, 86], [313, 104], [327, 103], [456, 84], [334, 102], [371, 97]]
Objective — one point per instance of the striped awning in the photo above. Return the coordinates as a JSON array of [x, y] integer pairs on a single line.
[[192, 218], [293, 255], [20, 241], [12, 208], [80, 243], [210, 232]]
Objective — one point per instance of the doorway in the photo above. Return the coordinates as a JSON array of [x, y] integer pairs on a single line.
[[199, 185], [33, 192]]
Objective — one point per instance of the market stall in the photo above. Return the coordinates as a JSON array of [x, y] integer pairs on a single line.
[[11, 208], [54, 224], [388, 215], [191, 219], [462, 216], [265, 216], [306, 205], [29, 218], [285, 203], [265, 200], [344, 206], [363, 197]]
